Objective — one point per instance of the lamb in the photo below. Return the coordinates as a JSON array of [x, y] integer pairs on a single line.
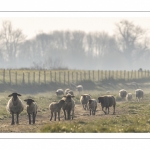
[[59, 92], [84, 100], [55, 108], [107, 101], [122, 94], [92, 104], [129, 96], [15, 106], [139, 94], [68, 106], [31, 109]]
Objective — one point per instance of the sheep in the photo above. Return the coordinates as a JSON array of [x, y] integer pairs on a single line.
[[79, 88], [92, 104], [84, 100], [15, 106], [139, 94], [107, 101], [129, 96], [68, 106], [122, 94], [55, 108], [31, 109], [66, 91], [70, 92], [59, 92]]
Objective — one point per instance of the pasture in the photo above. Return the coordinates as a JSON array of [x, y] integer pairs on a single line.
[[130, 116]]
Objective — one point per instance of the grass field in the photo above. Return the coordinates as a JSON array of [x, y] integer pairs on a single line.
[[130, 117]]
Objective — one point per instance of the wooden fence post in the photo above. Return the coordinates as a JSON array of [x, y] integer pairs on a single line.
[[23, 78], [34, 77], [10, 76], [28, 77], [39, 77], [44, 77], [93, 75], [16, 78], [4, 76], [64, 76], [89, 74]]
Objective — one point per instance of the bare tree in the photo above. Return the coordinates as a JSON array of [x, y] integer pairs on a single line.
[[11, 40], [128, 36]]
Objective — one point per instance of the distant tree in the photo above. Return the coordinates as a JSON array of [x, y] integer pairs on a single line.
[[11, 40], [128, 37]]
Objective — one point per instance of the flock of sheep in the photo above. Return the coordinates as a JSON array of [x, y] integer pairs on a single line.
[[67, 104]]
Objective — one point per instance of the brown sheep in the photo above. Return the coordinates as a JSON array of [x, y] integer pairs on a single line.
[[68, 106], [107, 101], [92, 106]]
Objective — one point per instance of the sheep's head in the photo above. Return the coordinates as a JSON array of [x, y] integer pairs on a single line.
[[68, 97], [14, 95], [100, 99], [90, 101], [29, 101]]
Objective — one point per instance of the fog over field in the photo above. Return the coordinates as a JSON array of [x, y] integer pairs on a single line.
[[75, 43]]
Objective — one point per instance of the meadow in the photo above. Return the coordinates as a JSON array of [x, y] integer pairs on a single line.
[[130, 117]]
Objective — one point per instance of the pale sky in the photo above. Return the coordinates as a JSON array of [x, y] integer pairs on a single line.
[[34, 25]]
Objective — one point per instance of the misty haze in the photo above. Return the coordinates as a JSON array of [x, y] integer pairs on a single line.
[[127, 49]]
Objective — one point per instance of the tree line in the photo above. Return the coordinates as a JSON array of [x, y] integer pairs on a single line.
[[127, 49]]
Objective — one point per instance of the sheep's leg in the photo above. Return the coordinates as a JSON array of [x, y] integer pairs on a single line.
[[29, 116], [114, 109], [103, 110], [33, 116], [72, 114], [108, 110], [90, 111], [55, 115], [59, 115], [68, 113], [51, 115], [12, 122], [64, 114], [17, 122]]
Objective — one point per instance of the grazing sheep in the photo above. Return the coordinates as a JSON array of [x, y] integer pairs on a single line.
[[31, 109], [107, 101], [129, 96], [14, 106], [68, 106], [59, 92], [79, 88], [66, 91], [84, 100], [122, 94], [92, 104], [139, 94], [55, 108], [70, 92]]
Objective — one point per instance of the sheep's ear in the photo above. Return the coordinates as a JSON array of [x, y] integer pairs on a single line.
[[64, 96], [25, 100], [32, 100], [18, 94], [10, 95]]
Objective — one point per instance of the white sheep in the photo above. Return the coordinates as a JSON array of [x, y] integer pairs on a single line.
[[123, 93], [55, 108], [92, 104], [139, 94], [15, 106], [84, 100], [129, 96], [31, 109], [59, 92], [68, 106], [79, 88]]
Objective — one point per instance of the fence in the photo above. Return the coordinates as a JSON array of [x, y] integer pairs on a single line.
[[17, 77]]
